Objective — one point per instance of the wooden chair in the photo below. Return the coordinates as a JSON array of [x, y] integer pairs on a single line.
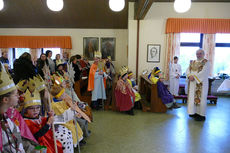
[[82, 95], [149, 93]]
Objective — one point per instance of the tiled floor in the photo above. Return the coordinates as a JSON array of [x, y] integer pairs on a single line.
[[173, 132]]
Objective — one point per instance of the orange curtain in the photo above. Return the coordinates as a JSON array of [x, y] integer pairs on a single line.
[[209, 48], [35, 42], [172, 49], [191, 25]]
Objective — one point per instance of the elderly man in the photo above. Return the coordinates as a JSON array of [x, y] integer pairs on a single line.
[[197, 74]]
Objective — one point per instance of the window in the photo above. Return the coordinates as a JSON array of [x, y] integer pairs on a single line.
[[55, 51], [20, 51], [222, 54], [190, 43], [15, 53]]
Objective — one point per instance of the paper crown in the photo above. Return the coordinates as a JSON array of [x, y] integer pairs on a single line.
[[22, 85], [32, 99], [6, 81], [39, 83], [36, 83], [156, 70], [130, 73], [123, 70], [97, 54], [109, 57]]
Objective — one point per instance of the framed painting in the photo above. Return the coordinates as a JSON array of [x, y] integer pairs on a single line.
[[108, 47], [90, 45], [153, 53]]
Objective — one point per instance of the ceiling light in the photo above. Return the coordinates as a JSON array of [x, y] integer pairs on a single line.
[[182, 6], [116, 5], [55, 5], [1, 5]]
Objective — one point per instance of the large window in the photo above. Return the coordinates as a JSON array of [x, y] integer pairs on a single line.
[[190, 42], [222, 54], [55, 51]]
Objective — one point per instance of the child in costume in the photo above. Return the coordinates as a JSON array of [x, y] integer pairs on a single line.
[[167, 98], [62, 106], [132, 82], [83, 106], [10, 138], [39, 126], [124, 94]]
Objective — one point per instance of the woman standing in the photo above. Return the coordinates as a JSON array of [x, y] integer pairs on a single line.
[[50, 61]]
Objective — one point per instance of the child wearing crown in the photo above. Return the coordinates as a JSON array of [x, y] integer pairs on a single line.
[[10, 138], [39, 126], [167, 98], [124, 94], [62, 104], [132, 82]]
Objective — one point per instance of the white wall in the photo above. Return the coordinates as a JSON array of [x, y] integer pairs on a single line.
[[152, 28], [132, 39], [77, 38]]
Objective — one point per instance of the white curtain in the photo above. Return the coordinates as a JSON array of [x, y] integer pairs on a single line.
[[35, 54], [209, 48], [172, 49], [66, 52]]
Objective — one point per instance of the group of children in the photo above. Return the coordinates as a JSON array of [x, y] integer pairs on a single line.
[[29, 130]]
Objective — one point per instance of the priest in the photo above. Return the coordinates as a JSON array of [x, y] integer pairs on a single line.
[[197, 74]]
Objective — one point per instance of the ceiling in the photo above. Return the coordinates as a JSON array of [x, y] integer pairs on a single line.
[[75, 14]]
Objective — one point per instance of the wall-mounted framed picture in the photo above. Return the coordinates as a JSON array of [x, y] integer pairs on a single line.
[[153, 53], [108, 47], [90, 45]]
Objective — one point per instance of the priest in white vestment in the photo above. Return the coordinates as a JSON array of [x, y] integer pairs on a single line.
[[197, 74], [175, 73]]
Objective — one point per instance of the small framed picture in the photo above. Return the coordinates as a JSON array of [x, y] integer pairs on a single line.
[[153, 53]]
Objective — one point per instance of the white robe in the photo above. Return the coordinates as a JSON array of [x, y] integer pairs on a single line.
[[99, 88], [200, 77], [175, 70]]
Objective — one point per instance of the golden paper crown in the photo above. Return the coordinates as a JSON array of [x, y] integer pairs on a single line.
[[39, 83], [123, 70], [22, 85], [97, 54], [31, 85], [109, 57], [32, 99], [6, 82]]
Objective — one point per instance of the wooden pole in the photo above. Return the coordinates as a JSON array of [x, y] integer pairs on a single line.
[[137, 58], [53, 129]]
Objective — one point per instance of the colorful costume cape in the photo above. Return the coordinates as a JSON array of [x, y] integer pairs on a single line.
[[92, 72], [47, 139], [125, 97]]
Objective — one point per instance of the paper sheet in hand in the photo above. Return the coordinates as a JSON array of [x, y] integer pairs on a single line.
[[65, 117]]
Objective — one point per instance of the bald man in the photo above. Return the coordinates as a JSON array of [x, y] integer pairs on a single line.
[[197, 75]]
